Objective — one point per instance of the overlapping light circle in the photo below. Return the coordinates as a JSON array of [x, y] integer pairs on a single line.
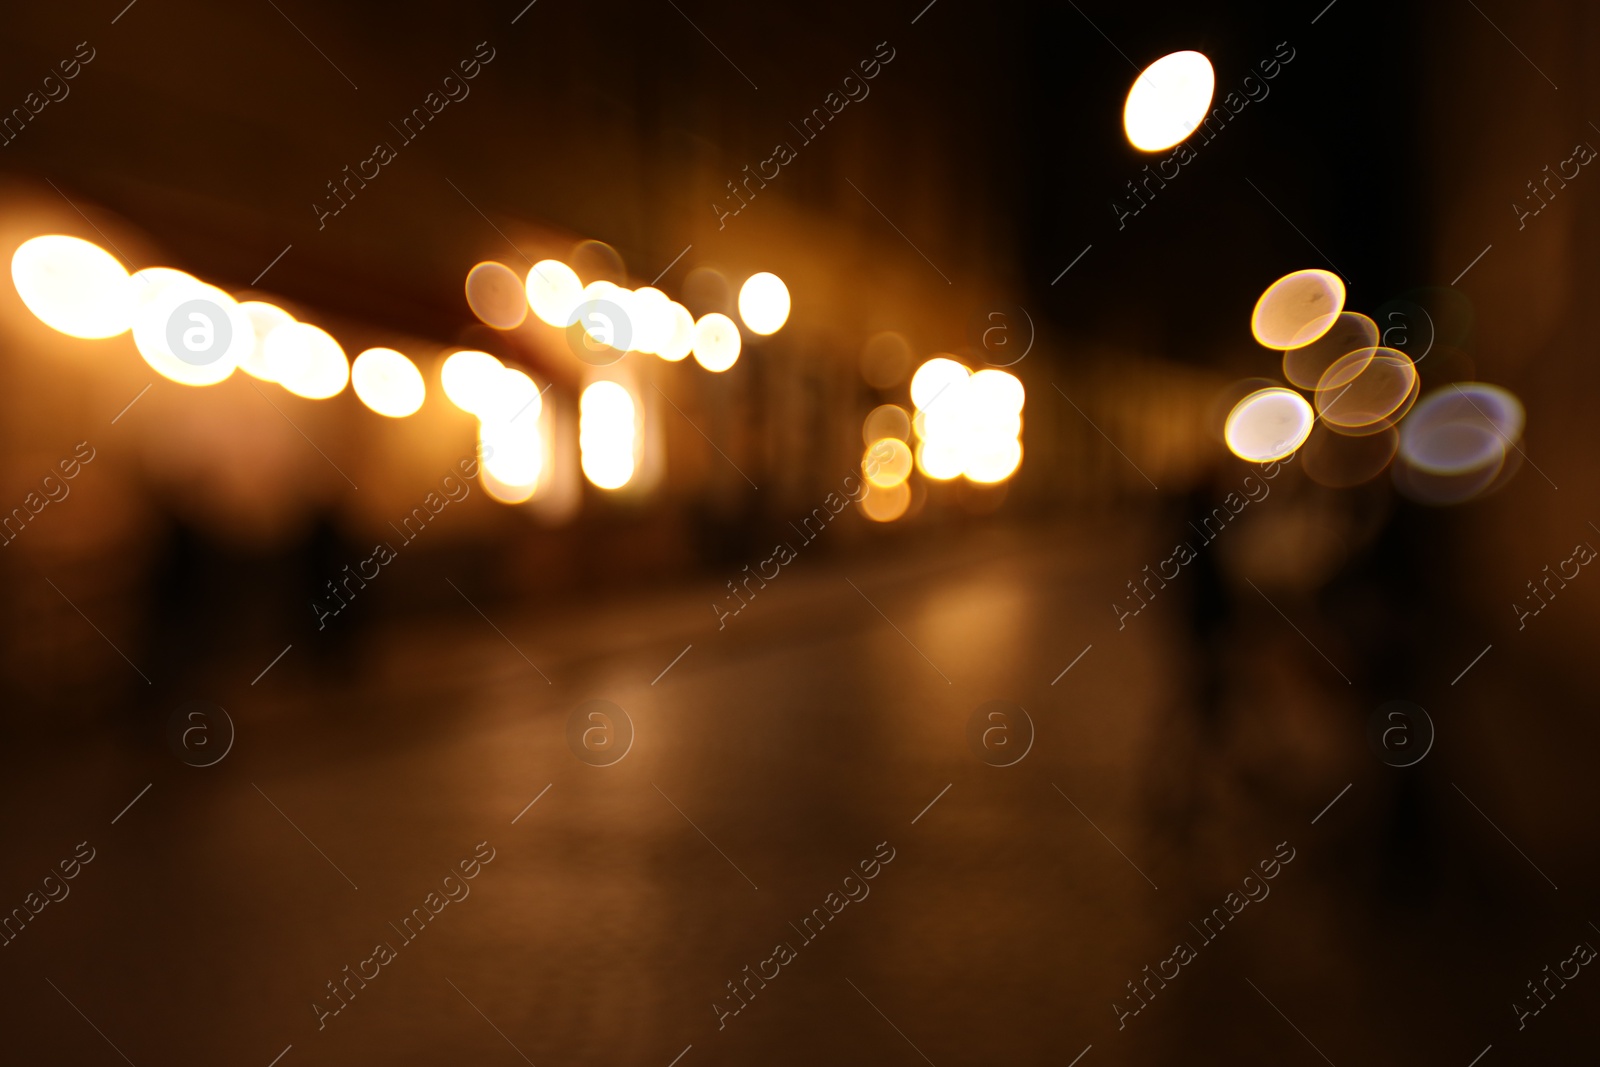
[[1297, 309], [307, 361]]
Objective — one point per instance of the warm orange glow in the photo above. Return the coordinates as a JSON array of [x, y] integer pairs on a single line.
[[1168, 101], [73, 286], [885, 505]]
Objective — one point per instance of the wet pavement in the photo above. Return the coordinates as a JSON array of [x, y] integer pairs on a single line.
[[808, 852]]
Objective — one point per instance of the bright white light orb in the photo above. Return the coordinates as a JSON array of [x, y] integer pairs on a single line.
[[1268, 425], [681, 341], [307, 361], [764, 303], [553, 291], [716, 342], [1169, 100], [264, 318], [935, 377], [73, 286], [470, 380], [606, 434], [388, 383], [190, 332]]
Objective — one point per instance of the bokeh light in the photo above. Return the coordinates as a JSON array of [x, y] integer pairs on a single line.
[[885, 505], [388, 383], [1351, 333], [470, 380], [1269, 424], [1297, 309], [887, 462], [935, 377], [1168, 101], [940, 458], [73, 286], [681, 341], [511, 432], [1461, 428], [1373, 398], [764, 303], [716, 342], [607, 434], [264, 318], [655, 321], [607, 315], [553, 291], [496, 295], [190, 332], [989, 461], [886, 420], [886, 359], [307, 361]]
